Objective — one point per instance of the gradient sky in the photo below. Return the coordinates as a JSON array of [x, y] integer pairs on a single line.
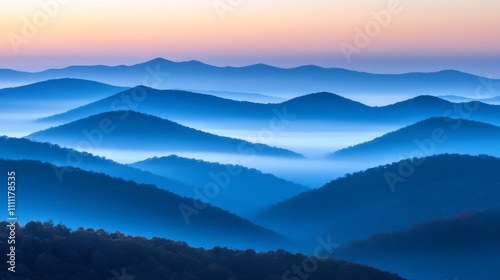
[[427, 35]]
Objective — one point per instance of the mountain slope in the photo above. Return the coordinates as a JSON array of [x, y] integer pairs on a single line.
[[428, 137], [469, 243], [327, 106], [89, 199], [61, 94], [170, 104], [453, 98], [242, 96], [190, 106], [389, 197], [136, 131], [21, 107], [66, 160], [493, 100], [240, 189]]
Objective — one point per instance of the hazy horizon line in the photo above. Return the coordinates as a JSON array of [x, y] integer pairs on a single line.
[[240, 66]]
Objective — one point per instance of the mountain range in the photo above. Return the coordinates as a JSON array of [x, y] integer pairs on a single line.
[[178, 133], [241, 190], [260, 78], [326, 110], [88, 199]]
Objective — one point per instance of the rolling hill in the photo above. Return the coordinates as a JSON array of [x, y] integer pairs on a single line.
[[21, 107], [65, 160], [328, 111], [390, 197], [241, 190], [171, 104], [129, 130], [87, 199], [54, 96], [425, 138]]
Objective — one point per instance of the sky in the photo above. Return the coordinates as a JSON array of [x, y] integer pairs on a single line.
[[381, 36]]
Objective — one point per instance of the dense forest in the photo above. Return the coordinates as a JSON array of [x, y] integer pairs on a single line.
[[390, 197], [48, 251]]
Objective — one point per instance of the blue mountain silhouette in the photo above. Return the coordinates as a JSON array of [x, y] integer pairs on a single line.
[[65, 160], [428, 137], [87, 199], [453, 98], [326, 108], [241, 189], [261, 78], [390, 197], [136, 131], [60, 94], [469, 243]]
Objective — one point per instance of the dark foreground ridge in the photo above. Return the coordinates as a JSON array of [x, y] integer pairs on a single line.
[[469, 242], [45, 251]]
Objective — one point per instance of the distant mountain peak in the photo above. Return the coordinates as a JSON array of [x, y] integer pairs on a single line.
[[422, 100], [158, 60], [322, 95], [160, 133], [144, 87], [194, 62], [452, 71], [259, 66], [323, 98], [425, 97]]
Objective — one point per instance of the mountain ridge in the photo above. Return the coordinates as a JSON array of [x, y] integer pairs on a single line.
[[98, 200], [301, 79], [183, 106], [242, 188], [124, 124], [66, 160], [353, 206], [428, 137]]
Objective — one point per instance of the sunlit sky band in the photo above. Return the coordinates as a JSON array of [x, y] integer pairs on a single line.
[[423, 36]]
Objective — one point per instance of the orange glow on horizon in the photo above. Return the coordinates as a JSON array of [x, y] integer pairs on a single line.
[[256, 28]]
